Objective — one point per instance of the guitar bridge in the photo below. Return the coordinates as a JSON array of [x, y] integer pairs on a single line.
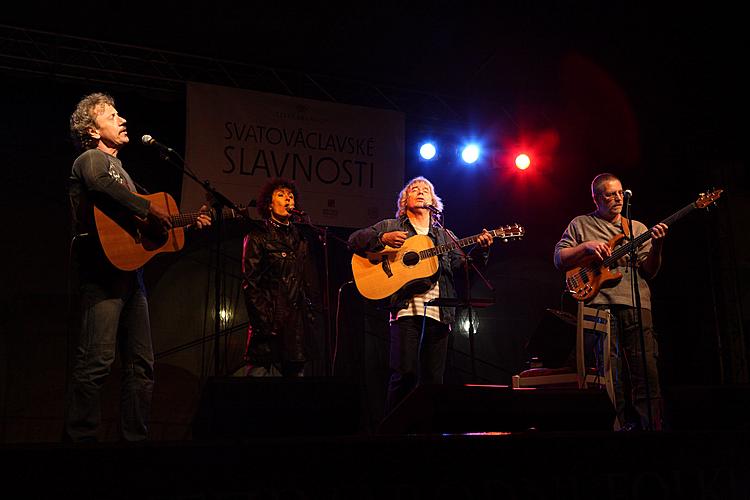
[[386, 265]]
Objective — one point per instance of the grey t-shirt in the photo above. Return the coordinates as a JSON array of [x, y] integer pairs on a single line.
[[590, 227], [99, 177]]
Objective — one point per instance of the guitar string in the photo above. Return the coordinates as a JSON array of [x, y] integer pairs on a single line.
[[637, 241], [496, 233], [183, 219], [617, 254]]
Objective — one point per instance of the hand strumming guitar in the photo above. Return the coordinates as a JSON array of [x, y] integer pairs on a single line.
[[159, 214], [599, 249], [394, 239]]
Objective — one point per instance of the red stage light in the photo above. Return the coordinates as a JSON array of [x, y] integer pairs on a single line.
[[523, 161]]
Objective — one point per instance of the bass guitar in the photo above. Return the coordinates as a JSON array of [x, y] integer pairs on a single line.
[[381, 274], [129, 242], [584, 282]]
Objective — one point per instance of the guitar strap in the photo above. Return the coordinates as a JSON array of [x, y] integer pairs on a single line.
[[626, 224], [140, 188]]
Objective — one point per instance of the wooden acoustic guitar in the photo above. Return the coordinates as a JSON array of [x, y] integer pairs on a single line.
[[129, 242], [584, 282], [381, 274]]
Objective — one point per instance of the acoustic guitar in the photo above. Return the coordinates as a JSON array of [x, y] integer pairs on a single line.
[[381, 274], [585, 282], [129, 242]]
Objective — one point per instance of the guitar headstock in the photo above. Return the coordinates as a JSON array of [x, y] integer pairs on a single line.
[[706, 199], [512, 231], [241, 212]]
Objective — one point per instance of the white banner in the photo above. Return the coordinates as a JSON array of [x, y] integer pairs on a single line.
[[347, 161]]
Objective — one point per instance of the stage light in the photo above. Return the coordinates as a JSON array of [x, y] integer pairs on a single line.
[[470, 153], [466, 324], [523, 161], [427, 151], [225, 316]]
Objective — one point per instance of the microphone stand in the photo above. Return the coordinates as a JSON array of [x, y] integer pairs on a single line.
[[322, 232], [218, 202], [636, 294], [436, 214]]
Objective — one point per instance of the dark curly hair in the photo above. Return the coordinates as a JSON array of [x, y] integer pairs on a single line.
[[84, 118], [266, 192]]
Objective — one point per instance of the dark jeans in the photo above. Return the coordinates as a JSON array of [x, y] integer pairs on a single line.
[[111, 320], [627, 365], [411, 363]]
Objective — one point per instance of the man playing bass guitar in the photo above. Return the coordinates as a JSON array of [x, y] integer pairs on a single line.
[[586, 242]]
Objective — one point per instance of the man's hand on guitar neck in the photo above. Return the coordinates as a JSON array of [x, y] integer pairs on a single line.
[[485, 239], [653, 262], [658, 232], [160, 215], [204, 219]]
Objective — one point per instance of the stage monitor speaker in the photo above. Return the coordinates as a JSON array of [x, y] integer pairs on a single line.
[[236, 407], [454, 409]]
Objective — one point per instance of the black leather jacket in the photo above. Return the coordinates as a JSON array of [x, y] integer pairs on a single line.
[[273, 265]]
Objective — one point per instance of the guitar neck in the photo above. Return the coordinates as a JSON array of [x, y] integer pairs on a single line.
[[643, 238], [185, 219], [447, 247]]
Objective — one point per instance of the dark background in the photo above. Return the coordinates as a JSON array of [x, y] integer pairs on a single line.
[[653, 94]]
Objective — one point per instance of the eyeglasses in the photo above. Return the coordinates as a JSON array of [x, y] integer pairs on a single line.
[[612, 195]]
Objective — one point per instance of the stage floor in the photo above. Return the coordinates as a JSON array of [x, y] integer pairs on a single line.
[[536, 465]]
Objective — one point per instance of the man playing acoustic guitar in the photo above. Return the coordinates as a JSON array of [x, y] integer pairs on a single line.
[[586, 242], [113, 301], [412, 362]]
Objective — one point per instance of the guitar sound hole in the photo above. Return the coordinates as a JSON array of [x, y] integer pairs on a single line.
[[411, 258], [153, 237]]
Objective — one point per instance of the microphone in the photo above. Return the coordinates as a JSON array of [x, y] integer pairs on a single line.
[[150, 141], [297, 212], [627, 194], [432, 209]]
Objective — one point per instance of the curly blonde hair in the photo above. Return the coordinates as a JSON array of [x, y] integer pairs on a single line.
[[401, 201], [84, 118]]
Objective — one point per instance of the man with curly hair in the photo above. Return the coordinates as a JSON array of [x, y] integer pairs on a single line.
[[415, 360], [113, 302], [275, 285]]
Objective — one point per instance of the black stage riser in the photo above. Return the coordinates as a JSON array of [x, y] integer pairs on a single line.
[[234, 407], [441, 409]]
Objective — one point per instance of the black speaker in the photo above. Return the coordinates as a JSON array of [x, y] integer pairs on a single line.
[[460, 409], [554, 339], [232, 407]]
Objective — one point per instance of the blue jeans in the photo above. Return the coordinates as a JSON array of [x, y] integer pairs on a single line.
[[112, 318], [627, 364], [411, 363]]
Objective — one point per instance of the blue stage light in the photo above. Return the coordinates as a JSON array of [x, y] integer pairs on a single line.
[[427, 151], [470, 153]]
